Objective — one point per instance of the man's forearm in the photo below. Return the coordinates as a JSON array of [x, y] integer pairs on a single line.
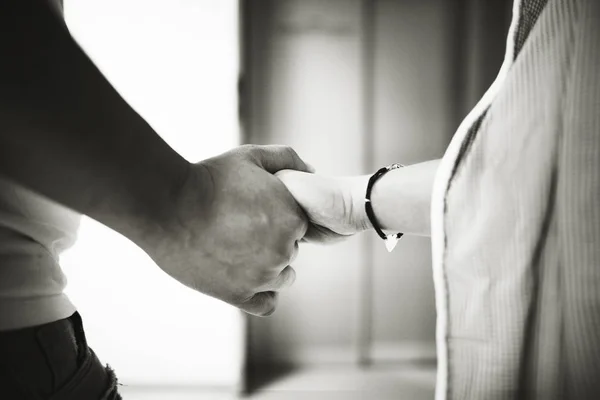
[[401, 199], [59, 114]]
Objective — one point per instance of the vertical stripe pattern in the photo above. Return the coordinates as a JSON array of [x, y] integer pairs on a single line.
[[518, 252]]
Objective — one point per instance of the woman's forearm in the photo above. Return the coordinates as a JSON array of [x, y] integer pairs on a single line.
[[401, 199]]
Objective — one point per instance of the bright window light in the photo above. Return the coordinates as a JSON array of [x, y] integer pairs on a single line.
[[176, 62]]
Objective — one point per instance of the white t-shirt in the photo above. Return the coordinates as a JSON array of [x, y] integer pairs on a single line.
[[33, 232]]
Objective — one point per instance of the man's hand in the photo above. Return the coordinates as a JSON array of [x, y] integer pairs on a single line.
[[333, 205], [235, 228], [226, 227]]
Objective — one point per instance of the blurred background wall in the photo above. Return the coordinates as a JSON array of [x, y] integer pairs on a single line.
[[354, 85]]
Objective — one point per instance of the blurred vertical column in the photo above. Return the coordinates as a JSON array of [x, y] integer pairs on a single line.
[[303, 87], [364, 328]]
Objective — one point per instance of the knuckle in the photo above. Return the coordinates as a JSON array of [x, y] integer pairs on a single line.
[[279, 258], [268, 312], [269, 306], [249, 147], [289, 277], [283, 255], [290, 152], [261, 304], [295, 252], [251, 151]]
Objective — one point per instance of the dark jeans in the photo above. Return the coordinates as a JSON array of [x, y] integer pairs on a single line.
[[53, 362]]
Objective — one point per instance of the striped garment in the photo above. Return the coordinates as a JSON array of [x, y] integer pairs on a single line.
[[516, 219]]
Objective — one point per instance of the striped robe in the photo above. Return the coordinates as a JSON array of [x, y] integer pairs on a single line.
[[516, 219]]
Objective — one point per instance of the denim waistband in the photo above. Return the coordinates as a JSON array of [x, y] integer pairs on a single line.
[[73, 370]]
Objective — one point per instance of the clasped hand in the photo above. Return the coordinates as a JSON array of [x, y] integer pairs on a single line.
[[237, 221]]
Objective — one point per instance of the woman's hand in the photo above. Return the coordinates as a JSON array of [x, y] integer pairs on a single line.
[[401, 201], [334, 206]]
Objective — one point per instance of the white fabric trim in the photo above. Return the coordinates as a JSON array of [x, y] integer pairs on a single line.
[[440, 186]]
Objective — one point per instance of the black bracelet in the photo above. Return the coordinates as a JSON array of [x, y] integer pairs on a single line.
[[390, 240]]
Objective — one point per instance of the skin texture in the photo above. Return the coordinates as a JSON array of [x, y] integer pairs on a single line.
[[236, 243], [225, 226]]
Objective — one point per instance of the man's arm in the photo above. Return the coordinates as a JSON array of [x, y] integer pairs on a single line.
[[66, 133], [225, 227]]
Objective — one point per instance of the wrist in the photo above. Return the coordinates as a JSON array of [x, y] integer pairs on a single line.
[[163, 221], [358, 216]]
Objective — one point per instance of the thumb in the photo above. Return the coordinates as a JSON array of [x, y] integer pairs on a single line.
[[275, 158]]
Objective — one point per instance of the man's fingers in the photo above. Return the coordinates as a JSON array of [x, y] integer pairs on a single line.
[[264, 302], [321, 234], [283, 280], [296, 250], [274, 158], [261, 304]]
